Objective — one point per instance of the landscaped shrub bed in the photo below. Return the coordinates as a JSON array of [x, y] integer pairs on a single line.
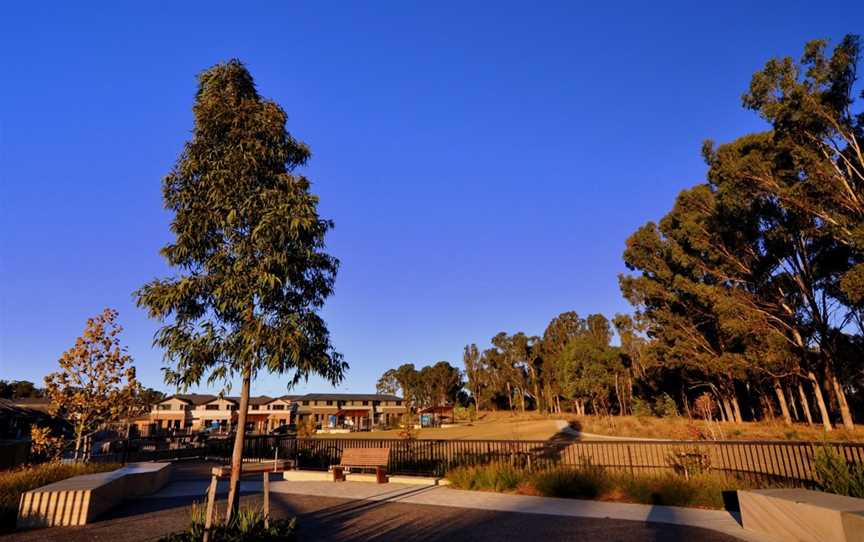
[[17, 481], [247, 525], [704, 490]]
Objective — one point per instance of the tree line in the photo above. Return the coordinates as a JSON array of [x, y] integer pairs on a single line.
[[749, 292]]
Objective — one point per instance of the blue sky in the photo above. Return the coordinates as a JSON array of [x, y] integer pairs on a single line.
[[483, 162]]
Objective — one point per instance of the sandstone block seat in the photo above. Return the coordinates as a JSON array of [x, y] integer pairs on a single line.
[[80, 499], [802, 515]]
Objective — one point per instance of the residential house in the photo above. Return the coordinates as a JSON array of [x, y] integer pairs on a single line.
[[191, 412]]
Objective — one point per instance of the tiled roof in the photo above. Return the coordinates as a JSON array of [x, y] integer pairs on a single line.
[[194, 398], [348, 397], [200, 399]]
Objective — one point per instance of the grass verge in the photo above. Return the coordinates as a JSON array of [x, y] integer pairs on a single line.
[[703, 490], [17, 481]]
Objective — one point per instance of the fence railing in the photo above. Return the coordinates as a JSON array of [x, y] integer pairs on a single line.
[[763, 461], [787, 462]]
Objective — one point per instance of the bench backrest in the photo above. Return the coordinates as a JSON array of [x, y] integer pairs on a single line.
[[254, 468], [361, 457]]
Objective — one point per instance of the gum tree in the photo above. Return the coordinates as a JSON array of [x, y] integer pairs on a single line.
[[250, 270]]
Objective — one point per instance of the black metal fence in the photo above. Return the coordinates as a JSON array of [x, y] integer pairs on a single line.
[[784, 462], [759, 461]]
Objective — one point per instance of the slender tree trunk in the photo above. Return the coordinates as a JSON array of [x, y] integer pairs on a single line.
[[784, 408], [820, 401], [537, 397], [736, 408], [727, 409], [792, 403], [769, 406], [845, 413], [237, 455], [78, 438], [805, 404]]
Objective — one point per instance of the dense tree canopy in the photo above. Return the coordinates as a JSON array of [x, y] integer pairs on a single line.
[[248, 252]]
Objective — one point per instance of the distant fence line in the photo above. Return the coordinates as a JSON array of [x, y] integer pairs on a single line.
[[789, 462]]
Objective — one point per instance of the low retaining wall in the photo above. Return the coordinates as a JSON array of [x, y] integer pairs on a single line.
[[81, 499]]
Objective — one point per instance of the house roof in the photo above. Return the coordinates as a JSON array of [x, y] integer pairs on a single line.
[[201, 399], [191, 398], [349, 397]]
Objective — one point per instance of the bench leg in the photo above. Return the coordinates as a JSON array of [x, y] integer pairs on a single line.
[[211, 503], [381, 475], [338, 474], [266, 499]]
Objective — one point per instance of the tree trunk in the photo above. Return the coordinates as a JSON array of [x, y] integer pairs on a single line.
[[736, 408], [842, 405], [727, 409], [784, 408], [78, 445], [537, 397], [793, 404], [820, 401], [805, 404], [237, 455], [768, 405]]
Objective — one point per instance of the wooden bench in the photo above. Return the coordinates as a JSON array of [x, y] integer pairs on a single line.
[[363, 458], [802, 515]]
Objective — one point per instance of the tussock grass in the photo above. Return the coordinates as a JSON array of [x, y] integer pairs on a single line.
[[17, 481], [683, 428], [703, 490]]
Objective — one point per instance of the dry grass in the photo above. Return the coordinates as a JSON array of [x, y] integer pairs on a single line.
[[487, 426], [505, 425], [681, 428], [703, 490]]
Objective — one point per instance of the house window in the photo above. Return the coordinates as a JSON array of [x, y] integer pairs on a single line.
[[277, 407], [398, 403], [305, 403], [163, 407], [211, 407], [329, 403], [365, 403], [376, 403]]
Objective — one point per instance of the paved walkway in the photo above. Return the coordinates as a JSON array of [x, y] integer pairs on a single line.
[[355, 511], [714, 520]]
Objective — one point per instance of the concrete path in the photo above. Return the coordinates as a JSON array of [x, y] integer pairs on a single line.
[[715, 520]]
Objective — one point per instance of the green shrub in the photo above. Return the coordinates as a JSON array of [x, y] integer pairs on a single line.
[[835, 475], [703, 490], [492, 477], [665, 407], [15, 482], [641, 408], [247, 525], [580, 483]]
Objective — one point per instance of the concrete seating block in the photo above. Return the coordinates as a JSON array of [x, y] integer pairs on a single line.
[[307, 476], [81, 499], [803, 515]]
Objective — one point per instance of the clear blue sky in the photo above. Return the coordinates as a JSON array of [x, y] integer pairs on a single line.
[[483, 164]]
